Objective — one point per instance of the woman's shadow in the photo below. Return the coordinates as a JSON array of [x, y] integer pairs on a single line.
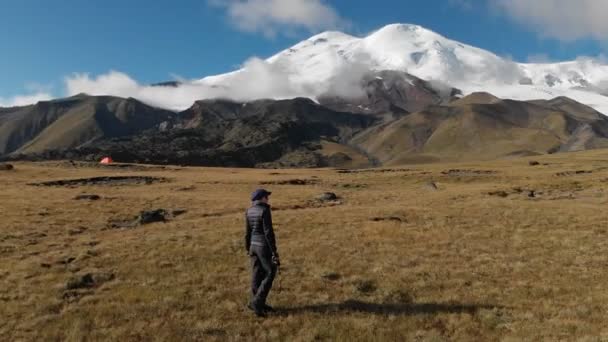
[[386, 308]]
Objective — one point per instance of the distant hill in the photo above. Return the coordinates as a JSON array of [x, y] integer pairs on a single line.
[[481, 126], [223, 133], [74, 122]]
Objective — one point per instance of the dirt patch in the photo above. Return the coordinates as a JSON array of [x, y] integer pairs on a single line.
[[130, 167], [499, 193], [351, 186], [389, 218], [461, 172], [537, 194], [374, 171], [331, 276], [85, 197], [573, 173], [186, 188], [6, 167], [292, 182], [104, 181]]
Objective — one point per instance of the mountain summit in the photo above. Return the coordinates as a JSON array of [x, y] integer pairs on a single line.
[[326, 61]]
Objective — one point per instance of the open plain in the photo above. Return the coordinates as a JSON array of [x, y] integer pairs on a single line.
[[506, 250]]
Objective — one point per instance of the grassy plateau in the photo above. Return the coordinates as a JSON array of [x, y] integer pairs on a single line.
[[489, 251]]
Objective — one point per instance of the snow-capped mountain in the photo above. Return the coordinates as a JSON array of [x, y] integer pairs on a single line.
[[334, 61]]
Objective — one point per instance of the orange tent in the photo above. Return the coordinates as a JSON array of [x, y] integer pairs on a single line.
[[106, 160]]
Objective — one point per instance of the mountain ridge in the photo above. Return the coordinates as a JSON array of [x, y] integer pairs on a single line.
[[302, 133]]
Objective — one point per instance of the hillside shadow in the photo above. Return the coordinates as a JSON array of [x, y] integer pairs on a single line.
[[409, 309]]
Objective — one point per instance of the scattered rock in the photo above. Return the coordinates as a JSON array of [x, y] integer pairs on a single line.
[[499, 193], [432, 186], [400, 297], [147, 217], [80, 282], [331, 276], [152, 216], [352, 186], [327, 196], [45, 265], [460, 172], [572, 173], [533, 163], [119, 224], [389, 218], [73, 268], [66, 260], [92, 253], [292, 182], [366, 286], [374, 171], [114, 181], [165, 264], [186, 188], [87, 197], [178, 212], [77, 231], [6, 167], [73, 296], [88, 280]]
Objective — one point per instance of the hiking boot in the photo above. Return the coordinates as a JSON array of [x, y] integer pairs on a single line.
[[260, 312]]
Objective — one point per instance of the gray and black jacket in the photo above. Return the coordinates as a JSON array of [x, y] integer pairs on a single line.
[[259, 231]]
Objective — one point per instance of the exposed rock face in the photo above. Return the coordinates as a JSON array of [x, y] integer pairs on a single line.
[[394, 94]]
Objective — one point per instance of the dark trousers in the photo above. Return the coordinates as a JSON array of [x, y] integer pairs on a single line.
[[263, 271]]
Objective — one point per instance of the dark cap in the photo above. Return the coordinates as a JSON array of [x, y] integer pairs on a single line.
[[259, 194]]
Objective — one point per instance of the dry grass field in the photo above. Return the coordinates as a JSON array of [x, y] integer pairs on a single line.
[[496, 251]]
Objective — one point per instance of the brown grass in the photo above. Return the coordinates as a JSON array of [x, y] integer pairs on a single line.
[[397, 260]]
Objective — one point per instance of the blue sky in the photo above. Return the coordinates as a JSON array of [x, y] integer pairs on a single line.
[[45, 41]]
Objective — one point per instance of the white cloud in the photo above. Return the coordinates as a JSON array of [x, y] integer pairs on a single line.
[[24, 100], [257, 80], [566, 20], [274, 17]]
